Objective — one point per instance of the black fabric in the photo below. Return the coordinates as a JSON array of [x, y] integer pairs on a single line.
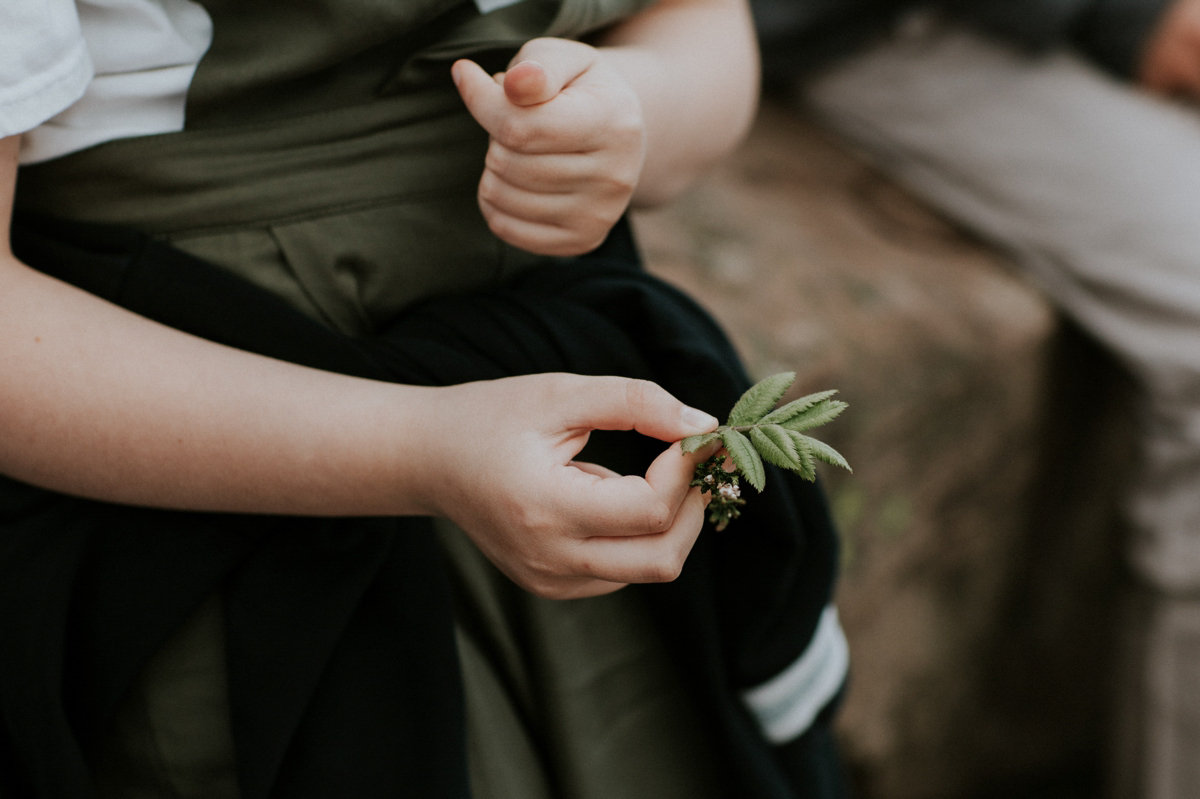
[[797, 37], [1113, 33], [811, 760], [343, 675], [801, 35]]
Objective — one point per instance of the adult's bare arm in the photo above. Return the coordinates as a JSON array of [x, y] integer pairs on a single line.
[[99, 402]]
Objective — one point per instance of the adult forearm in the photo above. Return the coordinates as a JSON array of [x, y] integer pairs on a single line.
[[99, 402], [102, 403], [694, 66]]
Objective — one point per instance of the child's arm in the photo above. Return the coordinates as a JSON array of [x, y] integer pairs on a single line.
[[580, 132], [102, 403]]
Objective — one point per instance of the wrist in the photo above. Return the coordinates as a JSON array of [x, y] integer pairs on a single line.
[[397, 447], [432, 455], [647, 75]]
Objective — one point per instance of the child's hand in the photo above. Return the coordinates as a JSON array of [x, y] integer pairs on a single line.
[[567, 145], [559, 528]]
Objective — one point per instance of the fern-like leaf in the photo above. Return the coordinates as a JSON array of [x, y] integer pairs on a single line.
[[824, 452], [819, 414], [760, 398], [745, 457], [775, 445], [796, 407], [804, 455]]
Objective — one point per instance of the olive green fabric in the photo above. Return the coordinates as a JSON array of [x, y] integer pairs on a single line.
[[304, 108], [342, 145], [399, 148], [352, 272], [575, 699], [565, 700]]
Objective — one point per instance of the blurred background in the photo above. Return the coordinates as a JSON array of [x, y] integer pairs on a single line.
[[981, 574]]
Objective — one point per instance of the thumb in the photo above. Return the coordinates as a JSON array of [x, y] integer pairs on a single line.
[[483, 97], [544, 67], [528, 83]]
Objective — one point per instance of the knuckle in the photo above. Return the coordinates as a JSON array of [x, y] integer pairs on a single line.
[[672, 565], [535, 522], [663, 572], [621, 184], [658, 518], [588, 244], [498, 158], [639, 394], [561, 243], [594, 221], [515, 133], [503, 227], [489, 188]]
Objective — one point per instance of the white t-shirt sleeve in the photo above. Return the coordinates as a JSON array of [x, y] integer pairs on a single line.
[[44, 62], [145, 54]]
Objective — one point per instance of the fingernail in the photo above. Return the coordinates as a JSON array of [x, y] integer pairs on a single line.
[[694, 417], [454, 74]]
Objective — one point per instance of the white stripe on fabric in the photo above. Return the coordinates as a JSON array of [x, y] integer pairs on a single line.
[[488, 6], [786, 705]]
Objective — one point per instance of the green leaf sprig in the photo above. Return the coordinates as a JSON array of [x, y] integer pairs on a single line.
[[757, 430]]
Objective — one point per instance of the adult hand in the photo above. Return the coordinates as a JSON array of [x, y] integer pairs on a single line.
[[1171, 60], [567, 145], [502, 467]]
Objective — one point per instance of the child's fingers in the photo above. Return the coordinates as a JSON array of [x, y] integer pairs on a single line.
[[585, 215], [551, 173], [544, 67], [588, 121], [536, 237], [548, 208], [524, 128], [483, 96]]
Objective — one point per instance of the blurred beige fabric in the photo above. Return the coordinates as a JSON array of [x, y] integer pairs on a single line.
[[1094, 188]]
